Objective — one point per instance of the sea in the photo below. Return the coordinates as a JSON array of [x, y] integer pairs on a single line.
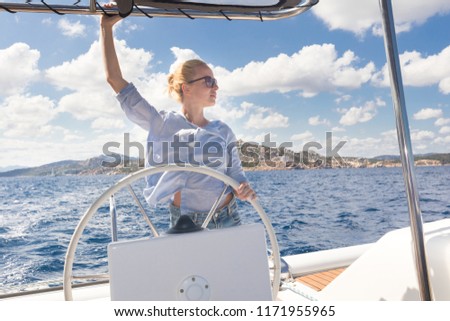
[[310, 210]]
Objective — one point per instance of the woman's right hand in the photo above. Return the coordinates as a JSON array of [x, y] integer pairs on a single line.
[[108, 21]]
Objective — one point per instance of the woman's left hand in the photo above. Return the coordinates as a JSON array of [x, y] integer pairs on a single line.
[[245, 192]]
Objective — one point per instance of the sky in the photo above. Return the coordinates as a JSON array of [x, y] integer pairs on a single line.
[[296, 79]]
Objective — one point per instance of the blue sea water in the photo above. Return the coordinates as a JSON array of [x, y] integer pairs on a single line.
[[310, 210]]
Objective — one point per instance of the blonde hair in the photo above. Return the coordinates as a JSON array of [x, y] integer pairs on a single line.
[[183, 74]]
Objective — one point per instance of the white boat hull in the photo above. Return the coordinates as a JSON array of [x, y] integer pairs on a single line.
[[384, 270]]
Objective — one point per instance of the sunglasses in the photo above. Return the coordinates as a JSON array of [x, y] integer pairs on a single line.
[[210, 82]]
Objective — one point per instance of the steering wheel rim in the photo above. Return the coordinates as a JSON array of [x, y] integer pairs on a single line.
[[70, 254]]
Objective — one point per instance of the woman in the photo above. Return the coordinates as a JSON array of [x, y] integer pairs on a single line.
[[186, 137]]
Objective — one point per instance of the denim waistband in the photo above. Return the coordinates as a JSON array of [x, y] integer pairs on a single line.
[[201, 216]]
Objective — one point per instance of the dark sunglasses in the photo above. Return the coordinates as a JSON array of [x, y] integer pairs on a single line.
[[210, 82]]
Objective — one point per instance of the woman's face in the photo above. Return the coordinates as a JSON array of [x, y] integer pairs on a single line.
[[202, 89]]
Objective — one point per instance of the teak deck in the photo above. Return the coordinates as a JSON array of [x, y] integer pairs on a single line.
[[318, 281]]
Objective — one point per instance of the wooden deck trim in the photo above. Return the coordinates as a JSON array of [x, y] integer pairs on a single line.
[[318, 281]]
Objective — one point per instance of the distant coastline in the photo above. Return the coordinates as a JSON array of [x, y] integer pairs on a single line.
[[93, 166]]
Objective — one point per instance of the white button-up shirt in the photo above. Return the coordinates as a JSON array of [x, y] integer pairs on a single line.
[[172, 139]]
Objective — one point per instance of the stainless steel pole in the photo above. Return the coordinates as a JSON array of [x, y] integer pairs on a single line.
[[407, 157]]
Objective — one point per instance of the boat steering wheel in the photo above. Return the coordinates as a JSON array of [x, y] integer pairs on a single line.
[[126, 181]]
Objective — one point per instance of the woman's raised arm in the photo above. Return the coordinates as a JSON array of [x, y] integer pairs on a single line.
[[110, 60]]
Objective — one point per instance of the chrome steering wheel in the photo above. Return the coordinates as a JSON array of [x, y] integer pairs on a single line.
[[128, 180]]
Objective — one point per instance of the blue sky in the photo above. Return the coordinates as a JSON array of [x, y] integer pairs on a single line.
[[323, 71]]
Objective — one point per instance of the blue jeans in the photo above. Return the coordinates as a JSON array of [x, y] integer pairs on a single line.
[[227, 216]]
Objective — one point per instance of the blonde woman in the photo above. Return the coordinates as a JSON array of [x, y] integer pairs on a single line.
[[183, 137]]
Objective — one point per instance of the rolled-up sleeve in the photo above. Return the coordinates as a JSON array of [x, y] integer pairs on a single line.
[[234, 166], [138, 110]]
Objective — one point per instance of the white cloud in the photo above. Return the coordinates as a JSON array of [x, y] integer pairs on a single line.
[[420, 135], [338, 129], [315, 121], [420, 71], [379, 102], [444, 141], [361, 114], [227, 111], [27, 116], [131, 27], [354, 16], [267, 119], [86, 73], [343, 98], [89, 105], [427, 113], [18, 152], [259, 138], [423, 71], [90, 96], [301, 71], [71, 28], [444, 86], [364, 147], [47, 21], [302, 137], [390, 134], [384, 144], [107, 123], [362, 16], [18, 68], [69, 137], [181, 55], [444, 130], [442, 121], [154, 88], [78, 149], [357, 115], [130, 142], [421, 139]]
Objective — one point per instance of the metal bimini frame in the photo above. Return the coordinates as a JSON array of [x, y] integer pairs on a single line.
[[285, 10], [170, 11]]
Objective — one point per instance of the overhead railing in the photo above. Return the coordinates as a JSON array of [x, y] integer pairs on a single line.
[[212, 9]]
